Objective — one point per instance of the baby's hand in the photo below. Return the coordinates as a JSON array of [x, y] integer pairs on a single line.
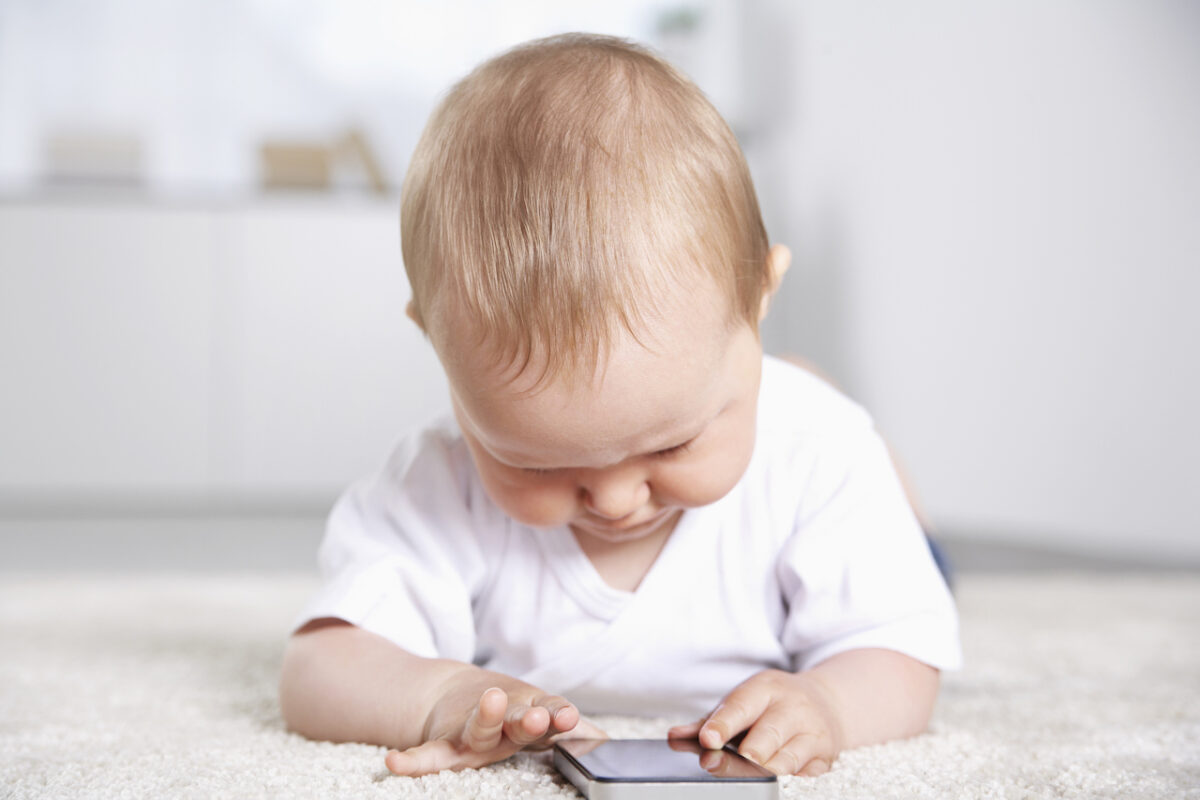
[[462, 733], [793, 725]]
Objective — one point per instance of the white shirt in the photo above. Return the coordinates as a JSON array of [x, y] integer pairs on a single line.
[[815, 551]]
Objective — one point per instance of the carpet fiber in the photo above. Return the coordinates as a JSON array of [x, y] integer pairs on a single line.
[[1075, 686]]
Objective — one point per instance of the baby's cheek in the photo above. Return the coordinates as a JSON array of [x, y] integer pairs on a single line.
[[543, 508], [540, 506], [699, 489], [707, 482]]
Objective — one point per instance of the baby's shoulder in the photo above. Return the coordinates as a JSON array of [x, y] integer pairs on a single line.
[[795, 402], [430, 471], [429, 484], [809, 433], [436, 447]]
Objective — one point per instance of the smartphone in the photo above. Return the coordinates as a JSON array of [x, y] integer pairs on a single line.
[[660, 769]]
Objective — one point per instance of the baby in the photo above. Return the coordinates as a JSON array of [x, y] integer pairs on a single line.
[[631, 510]]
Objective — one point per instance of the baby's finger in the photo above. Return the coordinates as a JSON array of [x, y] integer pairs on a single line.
[[424, 759], [720, 763], [526, 724], [583, 730], [689, 731], [803, 754], [564, 718], [736, 713], [563, 715], [485, 727], [767, 735]]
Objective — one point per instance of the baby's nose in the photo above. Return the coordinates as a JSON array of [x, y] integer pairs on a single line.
[[615, 498]]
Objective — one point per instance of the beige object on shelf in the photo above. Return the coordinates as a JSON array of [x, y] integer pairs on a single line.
[[291, 165], [354, 145], [82, 156], [316, 165]]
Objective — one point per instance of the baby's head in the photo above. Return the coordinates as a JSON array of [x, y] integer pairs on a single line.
[[586, 253], [568, 190]]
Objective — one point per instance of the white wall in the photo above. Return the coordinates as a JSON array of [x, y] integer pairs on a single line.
[[997, 227]]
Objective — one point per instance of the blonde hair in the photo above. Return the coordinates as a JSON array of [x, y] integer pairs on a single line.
[[561, 186]]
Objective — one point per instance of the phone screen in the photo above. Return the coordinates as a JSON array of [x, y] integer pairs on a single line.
[[659, 760]]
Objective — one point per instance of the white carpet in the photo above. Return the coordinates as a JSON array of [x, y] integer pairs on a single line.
[[1075, 686]]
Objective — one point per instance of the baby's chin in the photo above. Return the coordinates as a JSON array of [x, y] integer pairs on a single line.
[[621, 533]]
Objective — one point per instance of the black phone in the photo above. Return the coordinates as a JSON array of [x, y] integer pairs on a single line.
[[660, 769]]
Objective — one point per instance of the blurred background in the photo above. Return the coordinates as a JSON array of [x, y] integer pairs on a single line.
[[994, 209]]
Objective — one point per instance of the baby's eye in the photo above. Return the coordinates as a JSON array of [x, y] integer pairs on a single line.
[[672, 451]]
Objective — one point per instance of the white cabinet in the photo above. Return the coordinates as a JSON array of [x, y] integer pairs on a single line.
[[105, 373], [200, 351]]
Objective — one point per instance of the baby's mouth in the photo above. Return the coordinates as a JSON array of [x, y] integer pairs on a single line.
[[600, 526]]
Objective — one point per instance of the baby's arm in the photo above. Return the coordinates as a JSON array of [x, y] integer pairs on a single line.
[[344, 684], [797, 723]]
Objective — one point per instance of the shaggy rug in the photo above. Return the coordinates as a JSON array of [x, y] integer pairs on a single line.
[[1076, 685]]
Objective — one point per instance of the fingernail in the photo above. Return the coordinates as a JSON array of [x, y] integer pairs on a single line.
[[710, 737]]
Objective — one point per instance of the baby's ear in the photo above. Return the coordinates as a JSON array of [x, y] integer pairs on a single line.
[[414, 314], [779, 258]]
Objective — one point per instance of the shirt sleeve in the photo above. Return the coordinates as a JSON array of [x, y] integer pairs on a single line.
[[857, 571], [401, 555]]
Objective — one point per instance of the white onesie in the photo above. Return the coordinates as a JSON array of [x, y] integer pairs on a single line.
[[815, 551]]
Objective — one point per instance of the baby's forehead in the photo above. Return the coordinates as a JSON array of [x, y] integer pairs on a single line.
[[673, 316]]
